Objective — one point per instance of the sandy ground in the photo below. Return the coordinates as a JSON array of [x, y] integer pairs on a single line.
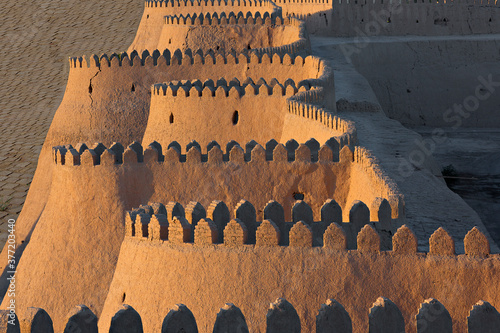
[[37, 38]]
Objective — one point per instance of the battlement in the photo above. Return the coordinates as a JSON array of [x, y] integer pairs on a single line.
[[222, 88], [265, 32], [98, 154], [230, 18], [265, 56], [281, 317], [202, 226], [323, 116], [207, 3], [174, 225]]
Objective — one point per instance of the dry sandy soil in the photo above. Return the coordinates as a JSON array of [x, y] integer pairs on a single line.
[[37, 39]]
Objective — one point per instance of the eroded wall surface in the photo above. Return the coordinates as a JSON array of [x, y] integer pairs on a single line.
[[304, 276], [445, 81], [394, 18]]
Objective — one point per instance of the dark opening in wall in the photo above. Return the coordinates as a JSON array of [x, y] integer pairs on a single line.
[[417, 21], [248, 46], [298, 196], [170, 41], [133, 88], [389, 20], [490, 19], [90, 88], [171, 118], [147, 17], [236, 117], [123, 297]]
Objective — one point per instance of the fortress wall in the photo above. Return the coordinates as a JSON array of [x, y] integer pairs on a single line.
[[118, 107], [420, 92], [221, 114], [152, 276], [153, 18], [369, 181], [317, 14], [227, 37], [193, 176], [321, 122], [281, 317], [301, 129], [74, 248], [280, 172], [365, 17], [85, 213]]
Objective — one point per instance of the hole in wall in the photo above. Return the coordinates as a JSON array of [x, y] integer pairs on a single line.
[[170, 41], [417, 21], [236, 117], [90, 88], [218, 47], [298, 196], [389, 20], [147, 17], [171, 118], [123, 297], [248, 47], [489, 20], [408, 90], [133, 88]]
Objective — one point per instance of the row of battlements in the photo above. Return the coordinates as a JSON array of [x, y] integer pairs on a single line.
[[281, 317], [266, 56], [292, 151], [231, 18], [306, 96], [365, 159], [302, 2], [306, 109], [222, 88], [194, 224], [174, 225], [208, 3]]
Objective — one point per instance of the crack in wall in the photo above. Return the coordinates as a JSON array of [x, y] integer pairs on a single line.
[[90, 95]]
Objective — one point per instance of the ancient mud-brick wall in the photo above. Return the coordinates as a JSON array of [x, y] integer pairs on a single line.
[[304, 272], [278, 172], [233, 110], [259, 33], [156, 221], [109, 97], [281, 317], [153, 18], [316, 14], [416, 17]]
